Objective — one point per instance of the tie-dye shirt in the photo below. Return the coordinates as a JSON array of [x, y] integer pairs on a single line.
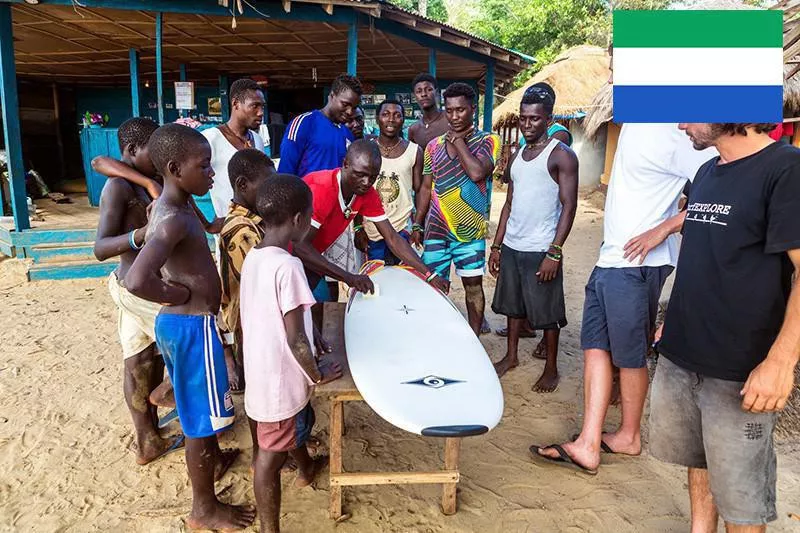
[[459, 206]]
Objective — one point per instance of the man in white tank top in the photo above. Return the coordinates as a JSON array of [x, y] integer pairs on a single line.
[[537, 217], [398, 181]]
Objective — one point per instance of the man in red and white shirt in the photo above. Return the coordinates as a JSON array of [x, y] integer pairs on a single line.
[[340, 195]]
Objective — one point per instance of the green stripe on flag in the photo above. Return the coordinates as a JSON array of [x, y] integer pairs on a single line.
[[757, 28]]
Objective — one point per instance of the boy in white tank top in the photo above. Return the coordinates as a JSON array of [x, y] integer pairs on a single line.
[[398, 181], [536, 219]]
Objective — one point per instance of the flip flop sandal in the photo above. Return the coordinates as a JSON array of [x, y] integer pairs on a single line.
[[167, 419], [563, 459], [177, 444], [604, 448]]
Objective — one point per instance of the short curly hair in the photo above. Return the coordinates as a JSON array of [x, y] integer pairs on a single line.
[[424, 76], [250, 163], [281, 197], [536, 94], [173, 142], [241, 87], [345, 82], [454, 90], [740, 128], [135, 131]]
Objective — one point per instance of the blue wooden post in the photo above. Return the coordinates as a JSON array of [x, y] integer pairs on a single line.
[[181, 112], [352, 49], [159, 73], [223, 97], [488, 97], [432, 62], [10, 103], [135, 93]]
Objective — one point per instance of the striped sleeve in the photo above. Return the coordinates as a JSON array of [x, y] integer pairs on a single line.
[[427, 167], [293, 144]]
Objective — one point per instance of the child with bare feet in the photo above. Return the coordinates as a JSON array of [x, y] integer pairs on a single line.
[[279, 363], [175, 268], [120, 233]]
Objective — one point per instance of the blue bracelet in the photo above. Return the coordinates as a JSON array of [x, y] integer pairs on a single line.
[[132, 241]]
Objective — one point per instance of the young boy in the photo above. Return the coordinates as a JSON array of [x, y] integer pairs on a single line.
[[279, 363], [247, 170], [175, 268], [120, 233]]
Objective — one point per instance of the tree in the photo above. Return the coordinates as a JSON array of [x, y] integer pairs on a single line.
[[436, 8]]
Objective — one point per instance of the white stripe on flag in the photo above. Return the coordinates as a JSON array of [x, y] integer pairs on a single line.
[[212, 324], [698, 66], [206, 359]]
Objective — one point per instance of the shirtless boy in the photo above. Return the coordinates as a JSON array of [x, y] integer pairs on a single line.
[[120, 233], [175, 268]]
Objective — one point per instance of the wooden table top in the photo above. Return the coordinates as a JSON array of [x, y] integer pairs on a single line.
[[333, 332]]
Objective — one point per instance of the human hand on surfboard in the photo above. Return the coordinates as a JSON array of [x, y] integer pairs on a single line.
[[440, 283], [361, 283], [330, 371]]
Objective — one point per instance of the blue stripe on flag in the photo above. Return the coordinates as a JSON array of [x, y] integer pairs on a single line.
[[657, 103]]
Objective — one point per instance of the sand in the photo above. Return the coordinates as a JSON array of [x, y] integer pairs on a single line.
[[65, 437]]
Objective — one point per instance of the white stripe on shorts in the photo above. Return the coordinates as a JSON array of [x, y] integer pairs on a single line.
[[206, 350], [211, 332]]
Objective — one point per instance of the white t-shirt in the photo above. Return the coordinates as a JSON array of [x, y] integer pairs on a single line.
[[651, 168], [221, 153], [273, 284]]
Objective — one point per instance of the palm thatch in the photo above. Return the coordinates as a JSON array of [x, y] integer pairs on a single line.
[[575, 76]]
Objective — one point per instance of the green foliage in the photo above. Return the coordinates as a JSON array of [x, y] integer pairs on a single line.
[[436, 8]]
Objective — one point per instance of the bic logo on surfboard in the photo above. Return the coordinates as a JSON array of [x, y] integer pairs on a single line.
[[434, 382]]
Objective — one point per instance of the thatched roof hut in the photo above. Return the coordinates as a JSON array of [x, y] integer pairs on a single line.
[[575, 75], [791, 35]]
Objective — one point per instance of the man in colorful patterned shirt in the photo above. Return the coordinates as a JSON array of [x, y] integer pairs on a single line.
[[453, 200]]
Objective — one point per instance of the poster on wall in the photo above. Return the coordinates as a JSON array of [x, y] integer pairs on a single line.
[[184, 94], [215, 106]]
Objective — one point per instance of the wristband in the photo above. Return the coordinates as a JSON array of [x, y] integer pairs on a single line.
[[430, 275], [132, 241], [497, 247], [556, 247], [417, 227], [554, 257], [356, 229]]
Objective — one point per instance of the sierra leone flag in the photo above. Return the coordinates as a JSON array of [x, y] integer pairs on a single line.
[[698, 66]]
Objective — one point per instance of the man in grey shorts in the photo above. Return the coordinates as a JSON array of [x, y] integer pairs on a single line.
[[732, 333], [651, 168]]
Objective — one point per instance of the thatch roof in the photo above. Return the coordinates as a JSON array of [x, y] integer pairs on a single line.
[[791, 35], [575, 75]]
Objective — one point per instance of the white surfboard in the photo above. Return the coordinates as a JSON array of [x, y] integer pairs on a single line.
[[416, 361]]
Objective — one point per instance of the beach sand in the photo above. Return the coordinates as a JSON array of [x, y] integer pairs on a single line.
[[65, 436]]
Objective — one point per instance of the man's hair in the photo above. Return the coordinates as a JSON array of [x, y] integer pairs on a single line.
[[366, 147], [537, 94], [740, 128], [172, 142], [135, 131], [249, 163], [424, 76], [457, 89], [281, 197], [344, 82], [389, 102], [241, 87]]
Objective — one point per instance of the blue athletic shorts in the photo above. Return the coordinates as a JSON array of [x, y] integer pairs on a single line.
[[469, 257], [379, 251], [195, 361]]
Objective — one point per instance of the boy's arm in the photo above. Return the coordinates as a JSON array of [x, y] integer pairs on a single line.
[[315, 261], [211, 226], [110, 241], [294, 321], [407, 255], [494, 255], [143, 279], [112, 168]]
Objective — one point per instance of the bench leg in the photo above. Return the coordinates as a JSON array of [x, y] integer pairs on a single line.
[[452, 448], [337, 422]]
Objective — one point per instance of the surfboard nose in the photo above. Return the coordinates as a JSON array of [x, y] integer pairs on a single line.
[[454, 431]]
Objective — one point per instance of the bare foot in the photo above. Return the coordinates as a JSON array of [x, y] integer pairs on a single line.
[[617, 443], [548, 382], [584, 457], [225, 459], [306, 479], [223, 516], [504, 365], [540, 352], [157, 447]]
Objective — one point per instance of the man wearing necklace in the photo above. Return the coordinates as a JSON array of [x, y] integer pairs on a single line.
[[398, 181], [453, 200], [318, 140], [535, 222], [433, 123]]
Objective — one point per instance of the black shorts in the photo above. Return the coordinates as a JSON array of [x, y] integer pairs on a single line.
[[520, 294]]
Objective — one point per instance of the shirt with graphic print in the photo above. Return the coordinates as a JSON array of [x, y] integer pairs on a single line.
[[734, 276], [459, 206]]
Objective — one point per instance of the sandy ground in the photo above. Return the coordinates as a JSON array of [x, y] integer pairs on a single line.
[[65, 434]]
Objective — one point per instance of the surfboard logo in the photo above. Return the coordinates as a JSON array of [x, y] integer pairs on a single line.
[[434, 382]]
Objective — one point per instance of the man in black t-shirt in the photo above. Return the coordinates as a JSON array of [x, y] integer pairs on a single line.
[[731, 337]]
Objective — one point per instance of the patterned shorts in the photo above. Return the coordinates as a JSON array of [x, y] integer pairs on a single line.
[[469, 257]]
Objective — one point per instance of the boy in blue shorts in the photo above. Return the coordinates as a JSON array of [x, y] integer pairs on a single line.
[[175, 269]]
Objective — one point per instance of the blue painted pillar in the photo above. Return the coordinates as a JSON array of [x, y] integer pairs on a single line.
[[10, 103], [432, 62], [352, 49], [488, 97], [181, 112], [159, 73], [223, 97], [135, 92]]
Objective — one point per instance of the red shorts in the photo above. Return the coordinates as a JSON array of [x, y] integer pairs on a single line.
[[286, 435]]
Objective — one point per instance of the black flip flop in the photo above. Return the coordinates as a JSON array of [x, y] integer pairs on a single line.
[[564, 458], [605, 448]]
